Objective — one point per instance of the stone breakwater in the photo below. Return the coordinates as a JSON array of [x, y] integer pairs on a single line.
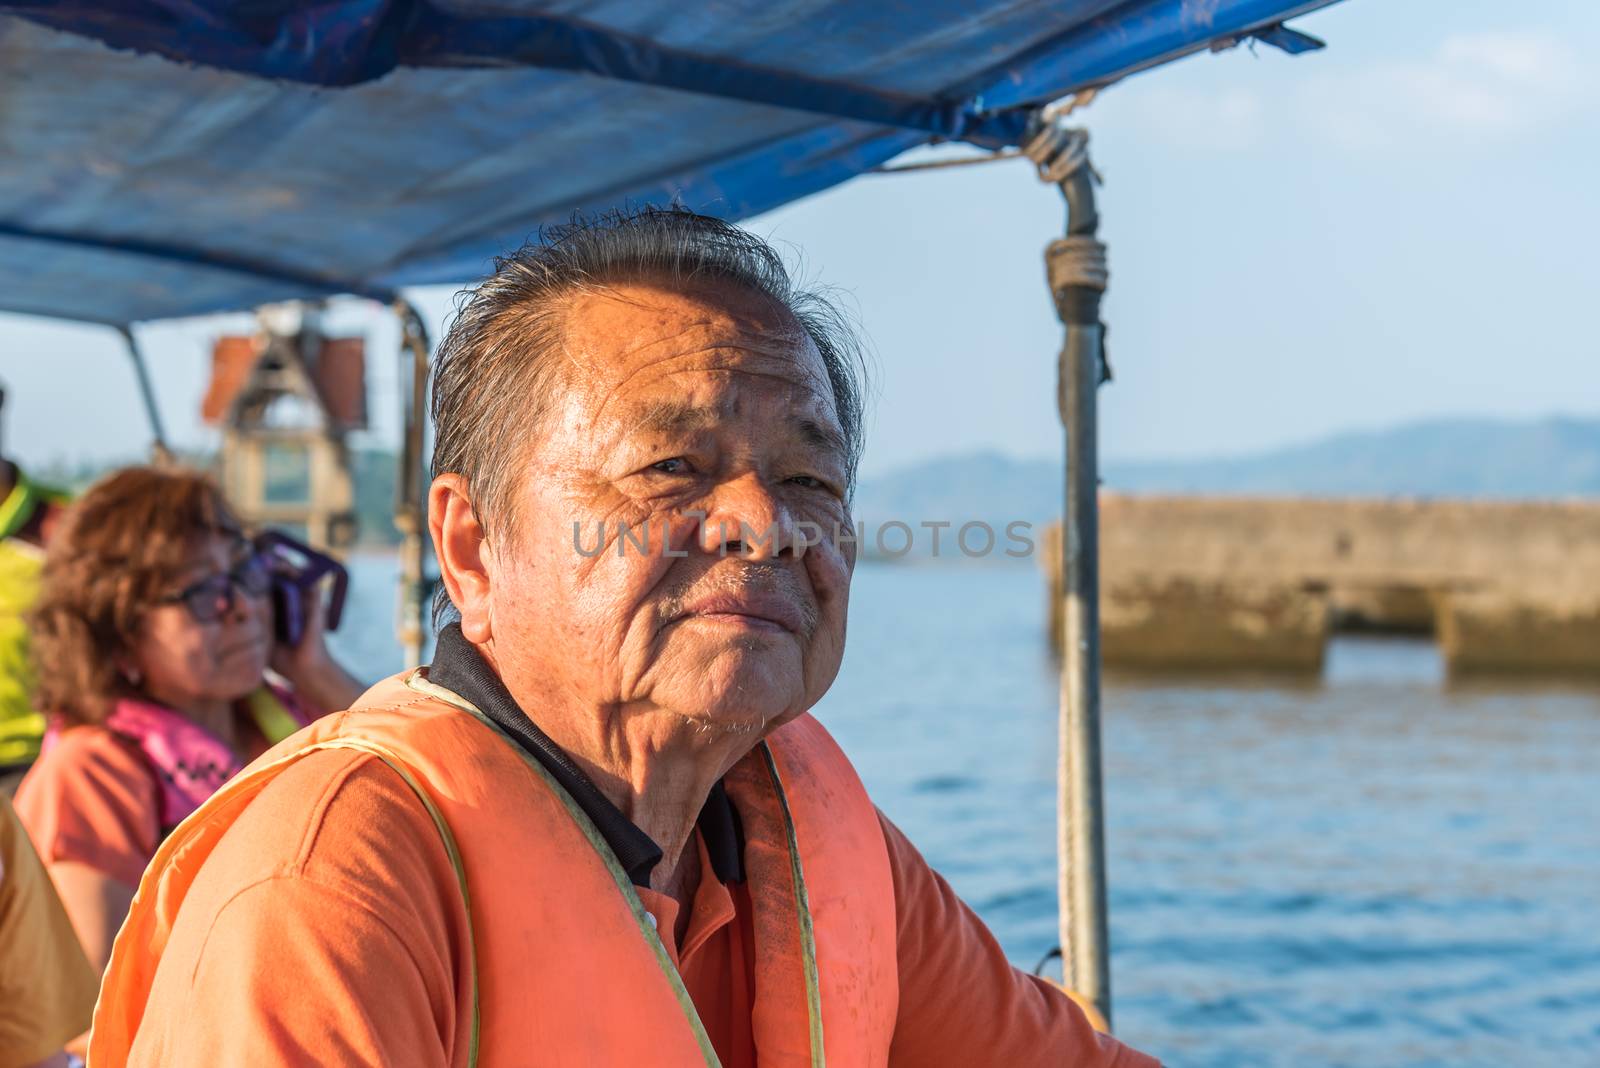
[[1214, 583]]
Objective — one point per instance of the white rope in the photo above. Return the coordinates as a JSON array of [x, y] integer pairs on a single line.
[[1059, 151], [1049, 115], [960, 161], [1060, 109]]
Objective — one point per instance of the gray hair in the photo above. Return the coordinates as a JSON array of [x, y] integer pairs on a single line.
[[493, 371]]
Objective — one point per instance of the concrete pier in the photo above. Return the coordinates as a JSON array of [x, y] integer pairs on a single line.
[[1211, 583]]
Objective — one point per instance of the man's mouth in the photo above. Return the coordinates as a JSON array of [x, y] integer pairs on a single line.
[[755, 611]]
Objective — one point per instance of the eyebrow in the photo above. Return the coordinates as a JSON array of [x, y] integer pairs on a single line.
[[674, 417], [821, 437]]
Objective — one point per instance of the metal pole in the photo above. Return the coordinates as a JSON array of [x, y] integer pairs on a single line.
[[159, 451], [1077, 273], [410, 507]]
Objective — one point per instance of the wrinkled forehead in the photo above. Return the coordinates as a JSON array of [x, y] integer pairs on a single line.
[[642, 345]]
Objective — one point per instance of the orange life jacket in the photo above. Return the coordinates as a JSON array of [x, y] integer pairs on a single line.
[[601, 989]]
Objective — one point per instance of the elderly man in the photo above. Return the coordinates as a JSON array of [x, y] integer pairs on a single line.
[[601, 828]]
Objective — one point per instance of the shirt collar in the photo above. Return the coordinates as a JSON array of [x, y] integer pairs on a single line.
[[459, 667]]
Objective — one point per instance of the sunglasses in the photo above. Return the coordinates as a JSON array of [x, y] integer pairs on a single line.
[[212, 598]]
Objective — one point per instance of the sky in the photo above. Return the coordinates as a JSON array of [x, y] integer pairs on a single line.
[[1400, 227]]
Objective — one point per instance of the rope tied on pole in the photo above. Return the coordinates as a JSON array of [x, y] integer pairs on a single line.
[[1059, 151], [1078, 272], [1078, 260], [1077, 263]]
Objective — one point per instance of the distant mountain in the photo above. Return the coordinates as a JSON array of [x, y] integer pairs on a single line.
[[981, 485], [1443, 458], [1552, 458]]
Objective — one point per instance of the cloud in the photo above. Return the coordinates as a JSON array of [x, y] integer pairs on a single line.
[[1478, 87], [1222, 119], [1465, 91]]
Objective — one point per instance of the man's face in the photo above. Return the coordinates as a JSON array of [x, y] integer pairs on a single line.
[[701, 424]]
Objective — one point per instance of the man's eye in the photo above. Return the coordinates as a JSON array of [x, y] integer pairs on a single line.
[[676, 465], [812, 482]]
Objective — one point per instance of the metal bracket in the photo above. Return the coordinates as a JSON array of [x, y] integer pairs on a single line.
[[160, 452], [1283, 38]]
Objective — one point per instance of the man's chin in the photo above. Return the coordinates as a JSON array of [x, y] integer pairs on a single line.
[[725, 726], [729, 688], [737, 711]]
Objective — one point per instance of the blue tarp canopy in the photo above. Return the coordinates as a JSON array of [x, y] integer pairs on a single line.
[[176, 157]]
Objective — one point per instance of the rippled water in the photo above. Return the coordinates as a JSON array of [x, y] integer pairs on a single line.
[[1373, 870]]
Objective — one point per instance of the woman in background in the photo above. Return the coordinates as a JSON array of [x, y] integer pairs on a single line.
[[152, 636]]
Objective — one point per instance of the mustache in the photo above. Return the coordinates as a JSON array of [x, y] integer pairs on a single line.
[[751, 580]]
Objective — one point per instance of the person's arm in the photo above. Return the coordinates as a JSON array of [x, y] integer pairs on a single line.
[[327, 928], [47, 989], [96, 903], [90, 806], [961, 1000], [298, 972], [55, 1060]]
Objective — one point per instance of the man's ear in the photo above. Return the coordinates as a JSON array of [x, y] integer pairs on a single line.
[[460, 544]]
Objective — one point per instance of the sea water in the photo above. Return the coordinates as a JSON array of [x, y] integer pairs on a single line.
[[1374, 868]]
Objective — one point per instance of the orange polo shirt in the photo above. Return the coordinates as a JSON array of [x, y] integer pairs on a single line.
[[328, 937]]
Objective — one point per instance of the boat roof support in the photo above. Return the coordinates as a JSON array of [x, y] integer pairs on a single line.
[[160, 451], [1077, 272], [411, 505]]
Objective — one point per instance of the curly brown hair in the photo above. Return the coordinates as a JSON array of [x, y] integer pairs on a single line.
[[119, 548]]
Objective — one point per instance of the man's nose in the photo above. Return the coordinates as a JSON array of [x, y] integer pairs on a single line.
[[745, 518]]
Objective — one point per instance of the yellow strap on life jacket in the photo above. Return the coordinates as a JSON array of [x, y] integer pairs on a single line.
[[17, 508], [24, 499], [21, 725], [274, 721]]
